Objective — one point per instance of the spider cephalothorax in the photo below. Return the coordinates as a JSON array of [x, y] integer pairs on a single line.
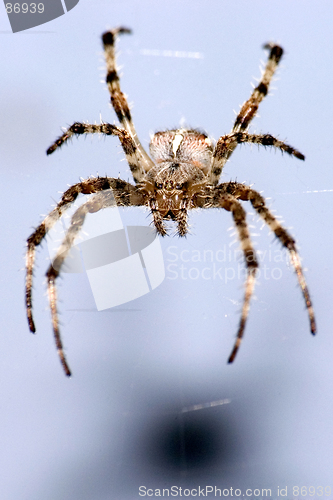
[[182, 173]]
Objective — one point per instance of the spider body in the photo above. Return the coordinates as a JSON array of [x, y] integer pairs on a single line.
[[182, 173], [182, 159]]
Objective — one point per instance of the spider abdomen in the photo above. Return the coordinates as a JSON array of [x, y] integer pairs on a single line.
[[182, 145]]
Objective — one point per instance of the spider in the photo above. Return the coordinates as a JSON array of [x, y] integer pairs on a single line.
[[182, 173]]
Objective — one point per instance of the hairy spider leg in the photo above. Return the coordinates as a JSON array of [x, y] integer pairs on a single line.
[[229, 142], [118, 99], [230, 203], [250, 107], [99, 201], [223, 196], [139, 161], [246, 115], [125, 138], [124, 193]]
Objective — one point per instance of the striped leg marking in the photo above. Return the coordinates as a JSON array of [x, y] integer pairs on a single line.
[[228, 143], [125, 138], [118, 99], [229, 202], [258, 203], [124, 194], [250, 107]]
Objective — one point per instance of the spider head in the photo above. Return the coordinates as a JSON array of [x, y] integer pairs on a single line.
[[168, 182]]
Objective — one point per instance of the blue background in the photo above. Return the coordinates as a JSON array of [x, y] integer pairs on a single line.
[[118, 423]]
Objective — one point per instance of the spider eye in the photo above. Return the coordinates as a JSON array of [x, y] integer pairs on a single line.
[[158, 185], [179, 186]]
